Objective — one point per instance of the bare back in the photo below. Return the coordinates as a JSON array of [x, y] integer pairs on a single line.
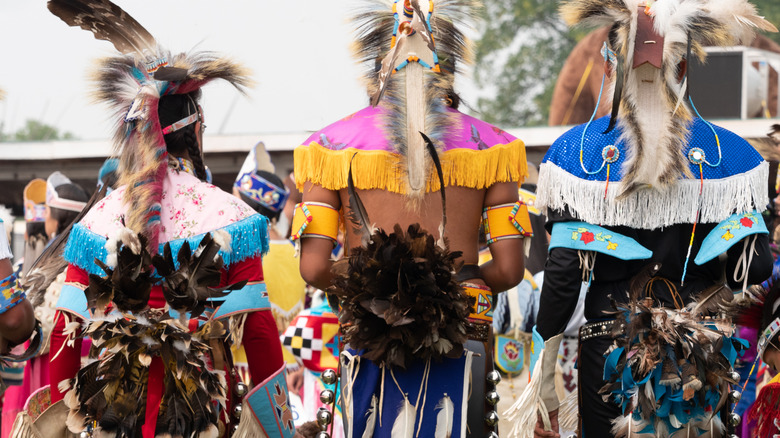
[[464, 210]]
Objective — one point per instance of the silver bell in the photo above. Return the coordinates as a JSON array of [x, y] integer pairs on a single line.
[[324, 417], [734, 419], [237, 410], [494, 377], [329, 377], [735, 396], [733, 375], [491, 418], [241, 389], [322, 434], [493, 435], [327, 396], [84, 434], [492, 397]]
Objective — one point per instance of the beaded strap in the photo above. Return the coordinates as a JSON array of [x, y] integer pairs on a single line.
[[11, 293]]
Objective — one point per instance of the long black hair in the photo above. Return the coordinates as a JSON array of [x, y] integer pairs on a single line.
[[173, 108]]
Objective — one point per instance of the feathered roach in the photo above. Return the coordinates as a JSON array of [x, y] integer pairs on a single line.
[[416, 98], [131, 85]]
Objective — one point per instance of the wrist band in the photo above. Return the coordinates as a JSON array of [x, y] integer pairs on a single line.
[[11, 293], [506, 221], [315, 219]]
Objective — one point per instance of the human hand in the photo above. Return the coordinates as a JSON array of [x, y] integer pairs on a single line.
[[540, 432]]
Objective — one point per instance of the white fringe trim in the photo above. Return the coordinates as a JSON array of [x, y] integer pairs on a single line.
[[650, 208]]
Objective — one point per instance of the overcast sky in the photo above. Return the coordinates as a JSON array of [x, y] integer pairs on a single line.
[[299, 52]]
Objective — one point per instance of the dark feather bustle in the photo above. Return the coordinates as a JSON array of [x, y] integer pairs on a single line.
[[400, 298], [112, 389]]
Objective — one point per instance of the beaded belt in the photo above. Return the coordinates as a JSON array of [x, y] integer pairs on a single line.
[[596, 329], [480, 320]]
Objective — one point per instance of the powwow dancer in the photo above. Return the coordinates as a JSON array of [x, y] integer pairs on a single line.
[[654, 194], [182, 260], [410, 293], [764, 315]]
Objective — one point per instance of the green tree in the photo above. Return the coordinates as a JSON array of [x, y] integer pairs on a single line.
[[522, 47], [770, 11], [34, 130]]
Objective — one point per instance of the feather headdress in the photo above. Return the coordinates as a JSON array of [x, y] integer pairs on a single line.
[[132, 85], [651, 42], [413, 49]]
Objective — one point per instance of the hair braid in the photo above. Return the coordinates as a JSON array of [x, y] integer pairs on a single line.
[[195, 154]]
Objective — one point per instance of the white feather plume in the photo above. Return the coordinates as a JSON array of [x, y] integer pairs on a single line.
[[404, 423], [444, 418], [368, 432]]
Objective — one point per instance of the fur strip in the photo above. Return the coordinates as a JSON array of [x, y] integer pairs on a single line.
[[523, 413], [558, 189]]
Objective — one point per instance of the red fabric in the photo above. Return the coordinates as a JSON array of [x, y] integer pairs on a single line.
[[67, 363], [74, 274], [154, 393], [261, 338], [262, 345], [250, 269]]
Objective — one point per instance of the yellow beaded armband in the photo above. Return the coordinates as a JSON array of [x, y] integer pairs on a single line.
[[315, 219], [506, 221]]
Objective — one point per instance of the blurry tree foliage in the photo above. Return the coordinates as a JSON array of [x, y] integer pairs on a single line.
[[522, 47], [34, 130], [770, 9]]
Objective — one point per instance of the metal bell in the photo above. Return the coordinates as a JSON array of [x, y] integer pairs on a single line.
[[492, 397], [734, 419], [84, 434], [237, 410], [324, 417], [329, 377], [494, 377], [241, 389], [733, 375], [327, 396], [322, 434], [735, 396], [491, 418], [493, 435]]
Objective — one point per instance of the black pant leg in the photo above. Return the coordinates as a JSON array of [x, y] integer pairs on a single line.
[[596, 415]]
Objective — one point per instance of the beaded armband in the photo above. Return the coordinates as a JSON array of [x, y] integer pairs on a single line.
[[11, 293], [506, 221], [315, 219]]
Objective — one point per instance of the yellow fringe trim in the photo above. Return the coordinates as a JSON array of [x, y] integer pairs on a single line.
[[382, 170]]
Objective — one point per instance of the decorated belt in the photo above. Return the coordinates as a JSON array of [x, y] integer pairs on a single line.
[[596, 329], [480, 320]]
